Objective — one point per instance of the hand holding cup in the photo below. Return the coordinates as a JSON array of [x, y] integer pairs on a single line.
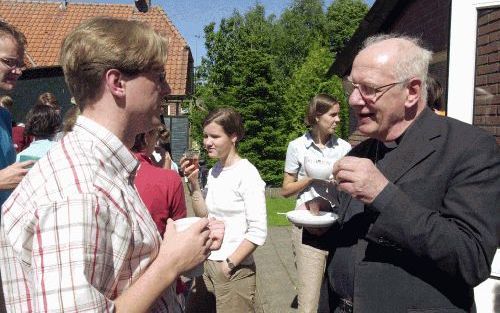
[[186, 244], [190, 164], [359, 177]]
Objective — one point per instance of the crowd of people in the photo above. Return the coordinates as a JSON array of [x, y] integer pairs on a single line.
[[88, 207]]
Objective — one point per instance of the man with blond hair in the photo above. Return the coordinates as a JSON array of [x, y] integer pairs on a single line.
[[418, 200], [75, 235]]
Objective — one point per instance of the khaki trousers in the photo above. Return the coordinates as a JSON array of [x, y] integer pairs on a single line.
[[213, 292], [310, 263]]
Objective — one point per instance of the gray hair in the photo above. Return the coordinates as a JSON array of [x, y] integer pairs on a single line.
[[413, 62]]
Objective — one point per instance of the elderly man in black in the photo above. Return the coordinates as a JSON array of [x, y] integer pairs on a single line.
[[418, 200]]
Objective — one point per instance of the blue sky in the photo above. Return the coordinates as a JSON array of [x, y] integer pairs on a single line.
[[190, 16]]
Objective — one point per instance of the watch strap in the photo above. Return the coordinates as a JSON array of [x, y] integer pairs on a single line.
[[230, 264]]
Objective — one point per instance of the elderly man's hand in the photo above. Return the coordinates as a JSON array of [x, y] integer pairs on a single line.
[[359, 177]]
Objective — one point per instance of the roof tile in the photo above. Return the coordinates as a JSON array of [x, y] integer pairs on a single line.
[[45, 24]]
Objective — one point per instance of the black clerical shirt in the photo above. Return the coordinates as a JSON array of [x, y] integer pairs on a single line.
[[353, 227]]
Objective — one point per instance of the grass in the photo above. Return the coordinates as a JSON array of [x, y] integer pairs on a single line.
[[279, 205]]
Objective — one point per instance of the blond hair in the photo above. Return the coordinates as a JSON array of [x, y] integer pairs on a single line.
[[103, 43], [6, 102]]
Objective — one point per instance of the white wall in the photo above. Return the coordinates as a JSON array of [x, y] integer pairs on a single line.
[[462, 57]]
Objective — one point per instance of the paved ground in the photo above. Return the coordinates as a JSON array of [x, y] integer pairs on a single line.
[[276, 274]]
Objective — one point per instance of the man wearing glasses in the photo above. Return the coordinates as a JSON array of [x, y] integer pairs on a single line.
[[75, 236], [419, 199], [12, 44]]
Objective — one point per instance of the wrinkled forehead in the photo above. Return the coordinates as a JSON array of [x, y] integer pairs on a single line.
[[376, 61]]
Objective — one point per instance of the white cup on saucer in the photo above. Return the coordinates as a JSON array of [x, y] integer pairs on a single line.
[[317, 167]]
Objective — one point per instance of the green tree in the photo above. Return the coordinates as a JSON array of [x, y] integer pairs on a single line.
[[239, 71], [343, 18], [309, 80], [300, 26], [268, 68]]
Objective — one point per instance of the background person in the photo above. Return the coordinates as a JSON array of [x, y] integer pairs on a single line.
[[413, 236], [48, 99], [318, 144], [162, 153], [12, 44], [160, 189], [18, 138], [435, 96], [42, 124], [235, 194]]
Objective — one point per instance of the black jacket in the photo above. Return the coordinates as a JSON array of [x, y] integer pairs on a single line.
[[431, 235]]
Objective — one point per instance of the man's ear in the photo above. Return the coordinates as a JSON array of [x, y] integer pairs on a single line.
[[414, 92], [115, 83]]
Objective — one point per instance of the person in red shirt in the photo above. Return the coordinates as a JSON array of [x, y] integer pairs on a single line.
[[160, 189]]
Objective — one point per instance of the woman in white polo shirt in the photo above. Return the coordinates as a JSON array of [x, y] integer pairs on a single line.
[[235, 194], [318, 146]]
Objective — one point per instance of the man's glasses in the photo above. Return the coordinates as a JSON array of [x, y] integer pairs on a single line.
[[12, 63], [162, 76], [368, 92]]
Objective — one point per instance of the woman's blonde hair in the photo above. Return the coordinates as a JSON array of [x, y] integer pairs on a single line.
[[104, 43]]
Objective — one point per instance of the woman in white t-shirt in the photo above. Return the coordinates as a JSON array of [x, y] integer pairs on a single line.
[[235, 194], [311, 154]]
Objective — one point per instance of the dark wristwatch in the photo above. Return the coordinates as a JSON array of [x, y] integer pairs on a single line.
[[230, 264]]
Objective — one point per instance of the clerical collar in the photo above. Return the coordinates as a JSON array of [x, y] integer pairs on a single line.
[[390, 144], [394, 143]]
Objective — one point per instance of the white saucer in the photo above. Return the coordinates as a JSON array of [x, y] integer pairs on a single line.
[[306, 219]]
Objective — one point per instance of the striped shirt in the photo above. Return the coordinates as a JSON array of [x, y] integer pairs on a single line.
[[75, 234]]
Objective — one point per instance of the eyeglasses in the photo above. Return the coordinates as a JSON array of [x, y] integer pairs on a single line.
[[12, 63], [368, 92], [162, 76]]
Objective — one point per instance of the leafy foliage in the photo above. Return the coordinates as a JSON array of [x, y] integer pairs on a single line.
[[268, 69], [343, 18]]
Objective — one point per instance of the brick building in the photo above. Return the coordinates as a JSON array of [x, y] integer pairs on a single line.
[[465, 38]]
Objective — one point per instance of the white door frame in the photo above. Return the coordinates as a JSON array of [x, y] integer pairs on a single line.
[[462, 57]]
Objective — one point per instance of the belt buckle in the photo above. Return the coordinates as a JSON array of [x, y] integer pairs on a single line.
[[345, 306]]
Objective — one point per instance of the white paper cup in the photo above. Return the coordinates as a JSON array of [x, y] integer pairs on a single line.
[[181, 225]]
